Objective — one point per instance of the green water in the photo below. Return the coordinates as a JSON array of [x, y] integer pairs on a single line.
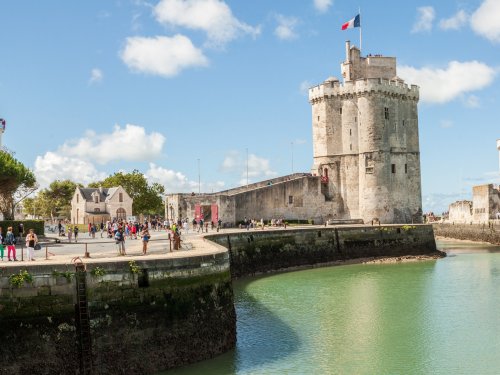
[[433, 317]]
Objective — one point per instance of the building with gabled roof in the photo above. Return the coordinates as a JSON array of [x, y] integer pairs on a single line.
[[96, 205]]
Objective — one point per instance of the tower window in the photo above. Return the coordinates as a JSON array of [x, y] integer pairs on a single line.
[[350, 146], [355, 119], [350, 131], [393, 168], [290, 199], [386, 113], [340, 110], [406, 168], [403, 122], [318, 118]]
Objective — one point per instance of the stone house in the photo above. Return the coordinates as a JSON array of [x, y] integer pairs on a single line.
[[96, 205]]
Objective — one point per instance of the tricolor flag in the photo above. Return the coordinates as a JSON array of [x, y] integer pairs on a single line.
[[355, 22]]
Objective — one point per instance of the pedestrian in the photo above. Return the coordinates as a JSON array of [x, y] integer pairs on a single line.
[[1, 244], [120, 241], [145, 239], [102, 228], [31, 241], [70, 233], [75, 231], [10, 240], [90, 227], [93, 230]]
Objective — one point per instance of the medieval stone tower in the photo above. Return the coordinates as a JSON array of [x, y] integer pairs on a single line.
[[365, 137]]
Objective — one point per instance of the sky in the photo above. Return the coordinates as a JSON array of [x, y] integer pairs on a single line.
[[203, 94]]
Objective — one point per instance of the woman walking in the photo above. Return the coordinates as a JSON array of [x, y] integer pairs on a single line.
[[10, 240], [120, 241], [31, 241], [1, 244], [145, 239]]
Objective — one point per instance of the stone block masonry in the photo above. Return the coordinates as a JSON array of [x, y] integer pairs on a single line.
[[172, 312], [255, 252]]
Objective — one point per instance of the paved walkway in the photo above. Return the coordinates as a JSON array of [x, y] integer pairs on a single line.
[[106, 250]]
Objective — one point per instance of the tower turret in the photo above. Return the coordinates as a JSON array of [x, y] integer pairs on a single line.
[[365, 136]]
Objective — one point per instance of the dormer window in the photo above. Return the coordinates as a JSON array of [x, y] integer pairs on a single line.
[[96, 199]]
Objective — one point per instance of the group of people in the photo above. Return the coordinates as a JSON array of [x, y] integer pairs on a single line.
[[10, 241]]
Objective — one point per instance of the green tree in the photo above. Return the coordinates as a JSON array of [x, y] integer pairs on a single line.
[[53, 201], [16, 183], [147, 198]]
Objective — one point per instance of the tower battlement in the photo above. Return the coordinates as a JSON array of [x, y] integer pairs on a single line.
[[333, 87]]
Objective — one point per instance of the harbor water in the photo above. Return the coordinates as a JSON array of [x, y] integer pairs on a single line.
[[428, 317]]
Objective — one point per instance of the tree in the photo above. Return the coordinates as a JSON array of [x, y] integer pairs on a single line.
[[147, 198], [16, 183], [53, 201]]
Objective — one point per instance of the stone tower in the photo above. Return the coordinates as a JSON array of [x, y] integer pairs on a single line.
[[365, 140]]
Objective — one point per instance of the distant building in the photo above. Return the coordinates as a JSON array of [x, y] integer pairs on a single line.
[[96, 205], [366, 157], [485, 206]]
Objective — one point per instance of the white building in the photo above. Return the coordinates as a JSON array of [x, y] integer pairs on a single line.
[[96, 205]]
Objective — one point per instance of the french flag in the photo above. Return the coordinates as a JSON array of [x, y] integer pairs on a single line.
[[355, 22]]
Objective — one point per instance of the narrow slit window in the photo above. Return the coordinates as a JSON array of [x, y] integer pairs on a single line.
[[393, 168], [386, 113]]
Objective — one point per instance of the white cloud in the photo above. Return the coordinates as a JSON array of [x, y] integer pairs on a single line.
[[472, 101], [130, 143], [304, 87], [172, 180], [95, 76], [424, 20], [55, 166], [443, 85], [258, 167], [485, 20], [76, 159], [176, 182], [455, 22], [211, 16], [322, 5], [161, 55], [286, 27], [446, 124]]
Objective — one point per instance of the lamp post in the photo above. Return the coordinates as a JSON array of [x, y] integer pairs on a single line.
[[199, 178]]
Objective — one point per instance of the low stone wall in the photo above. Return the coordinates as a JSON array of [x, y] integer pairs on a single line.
[[173, 312], [475, 232], [258, 251]]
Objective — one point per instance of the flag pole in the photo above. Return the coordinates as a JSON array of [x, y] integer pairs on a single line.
[[360, 46]]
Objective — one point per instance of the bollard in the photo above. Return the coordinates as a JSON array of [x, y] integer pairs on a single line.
[[87, 255]]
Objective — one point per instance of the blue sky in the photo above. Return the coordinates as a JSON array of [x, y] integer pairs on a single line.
[[91, 88]]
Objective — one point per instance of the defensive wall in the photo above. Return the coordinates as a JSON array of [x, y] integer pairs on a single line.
[[157, 314], [254, 252], [486, 232]]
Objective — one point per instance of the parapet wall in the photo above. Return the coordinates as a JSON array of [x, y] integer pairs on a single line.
[[172, 312], [260, 251], [335, 88]]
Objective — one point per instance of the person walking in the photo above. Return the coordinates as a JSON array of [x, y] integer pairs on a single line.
[[75, 231], [102, 228], [70, 233], [120, 241], [10, 240], [31, 241], [145, 239], [1, 244]]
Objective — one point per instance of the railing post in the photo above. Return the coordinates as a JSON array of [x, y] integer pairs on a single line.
[[87, 255]]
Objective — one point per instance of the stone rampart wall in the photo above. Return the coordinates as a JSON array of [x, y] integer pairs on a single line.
[[476, 232], [173, 312], [255, 252]]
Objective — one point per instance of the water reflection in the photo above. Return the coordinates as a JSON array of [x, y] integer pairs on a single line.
[[434, 317]]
